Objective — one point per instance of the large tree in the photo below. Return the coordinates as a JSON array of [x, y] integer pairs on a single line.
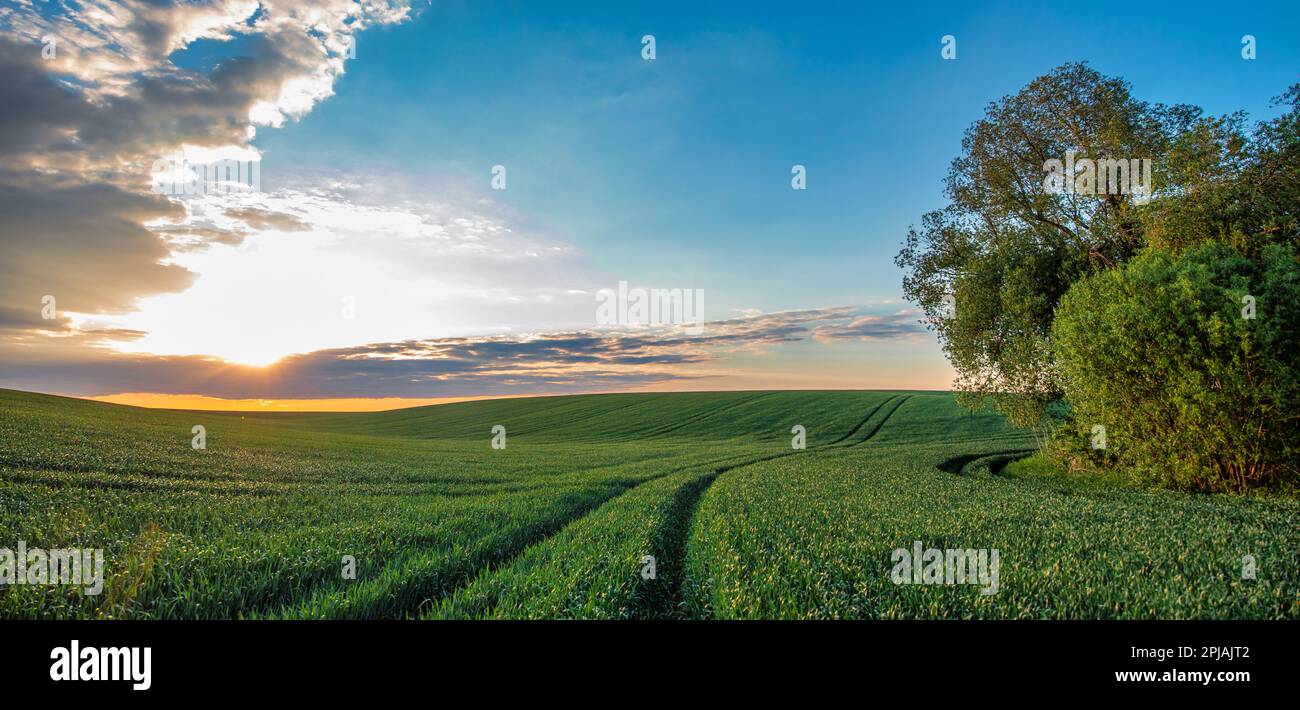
[[989, 269]]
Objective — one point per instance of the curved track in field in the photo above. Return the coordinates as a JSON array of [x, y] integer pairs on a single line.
[[673, 603], [864, 421], [392, 580], [995, 461], [707, 414], [666, 600], [401, 578], [880, 424]]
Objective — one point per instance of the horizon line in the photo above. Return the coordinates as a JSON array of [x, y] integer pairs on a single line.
[[355, 405]]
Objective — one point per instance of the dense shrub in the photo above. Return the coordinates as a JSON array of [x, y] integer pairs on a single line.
[[1189, 390]]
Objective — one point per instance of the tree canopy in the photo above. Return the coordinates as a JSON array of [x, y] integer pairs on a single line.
[[990, 268], [1089, 255]]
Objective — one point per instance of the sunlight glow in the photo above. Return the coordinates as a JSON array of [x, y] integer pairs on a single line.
[[218, 404], [311, 273]]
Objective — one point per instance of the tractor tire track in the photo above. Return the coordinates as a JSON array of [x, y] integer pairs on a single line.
[[504, 561], [396, 581], [864, 421], [996, 460], [705, 415], [669, 601], [882, 422]]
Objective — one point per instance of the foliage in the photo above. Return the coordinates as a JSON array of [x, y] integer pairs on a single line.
[[1229, 186], [990, 268], [1005, 249], [1189, 390]]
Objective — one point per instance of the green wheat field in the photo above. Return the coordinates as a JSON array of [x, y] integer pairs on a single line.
[[558, 523]]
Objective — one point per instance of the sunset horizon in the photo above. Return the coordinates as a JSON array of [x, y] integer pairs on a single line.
[[232, 260]]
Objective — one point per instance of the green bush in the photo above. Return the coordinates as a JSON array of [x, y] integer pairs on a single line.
[[1190, 391]]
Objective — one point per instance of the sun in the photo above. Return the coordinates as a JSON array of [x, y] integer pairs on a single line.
[[251, 358]]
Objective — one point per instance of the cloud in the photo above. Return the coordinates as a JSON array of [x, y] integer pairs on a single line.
[[132, 83], [261, 219], [95, 92], [404, 267], [586, 361], [903, 324], [142, 281], [191, 238], [82, 242]]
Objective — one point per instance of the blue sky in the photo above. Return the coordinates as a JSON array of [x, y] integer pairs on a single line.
[[677, 171]]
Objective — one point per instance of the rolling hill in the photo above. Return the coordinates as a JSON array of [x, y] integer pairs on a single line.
[[560, 522]]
